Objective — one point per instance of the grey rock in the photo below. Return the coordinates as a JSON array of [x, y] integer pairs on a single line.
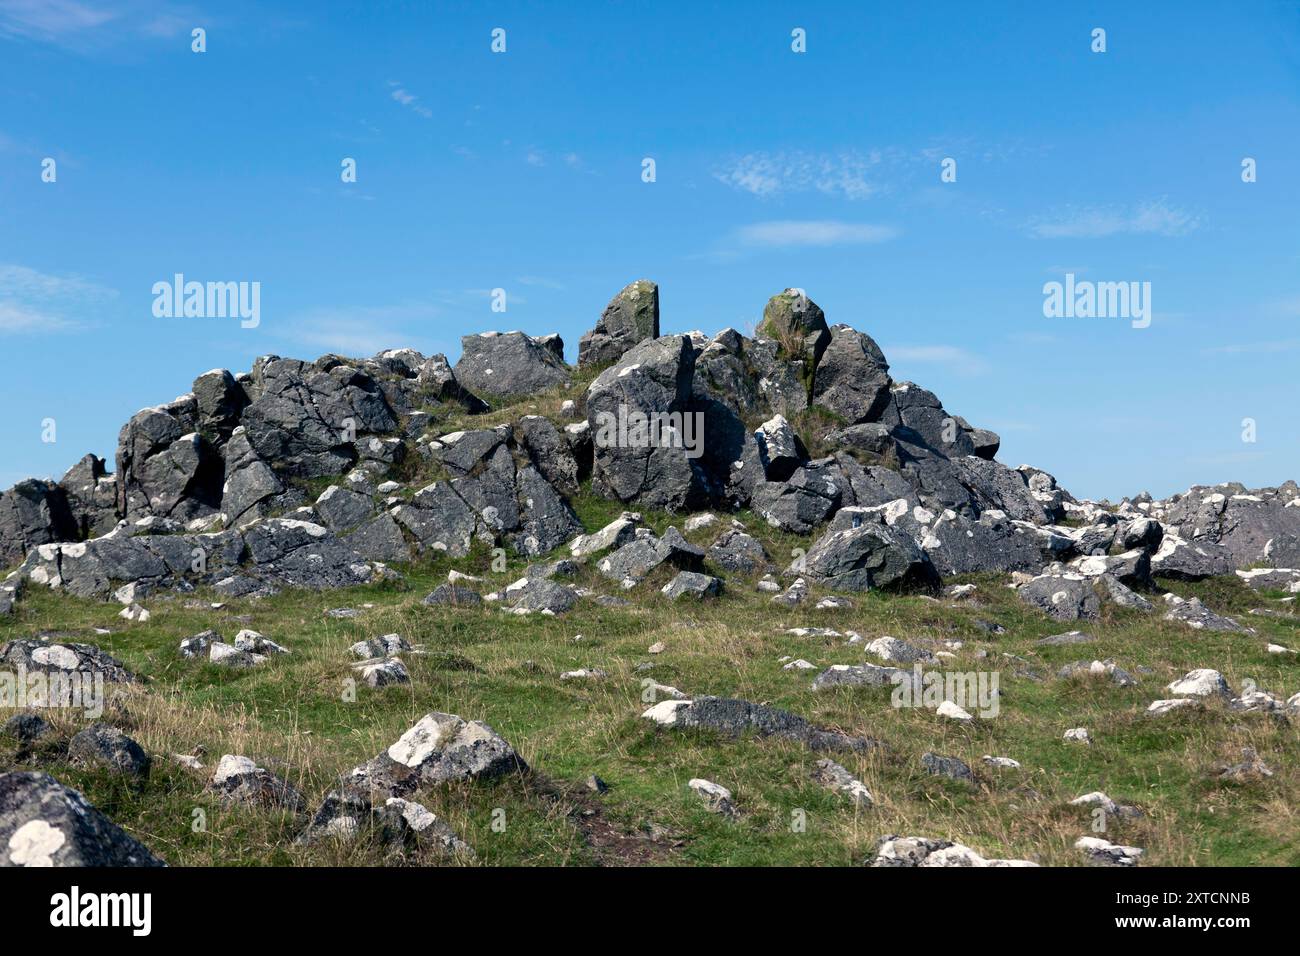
[[102, 745], [690, 584], [509, 364], [240, 781], [1062, 597], [950, 767], [852, 378], [43, 823], [630, 318], [454, 595], [736, 550]]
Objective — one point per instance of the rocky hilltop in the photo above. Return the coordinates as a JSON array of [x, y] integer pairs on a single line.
[[327, 473]]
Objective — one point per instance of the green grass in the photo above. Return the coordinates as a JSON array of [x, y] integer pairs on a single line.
[[291, 715]]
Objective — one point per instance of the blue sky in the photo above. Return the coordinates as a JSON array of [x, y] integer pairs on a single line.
[[522, 171]]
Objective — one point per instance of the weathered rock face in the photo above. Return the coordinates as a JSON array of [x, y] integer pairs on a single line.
[[165, 467], [306, 418], [868, 556], [43, 823], [678, 423], [635, 462], [852, 378], [510, 364], [1229, 526], [91, 495], [32, 512], [631, 317], [491, 497], [279, 552]]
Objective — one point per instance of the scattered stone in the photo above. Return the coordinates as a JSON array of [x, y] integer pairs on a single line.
[[1201, 683], [134, 612], [832, 776], [1078, 735], [1159, 708], [799, 665], [950, 767], [26, 728], [1250, 768], [717, 797], [953, 712], [1194, 614], [692, 585], [596, 785], [453, 595], [896, 851], [1069, 637], [238, 780], [1002, 763], [583, 674], [658, 647], [386, 645], [1104, 853], [898, 652], [105, 746], [197, 646], [227, 655], [383, 673], [43, 823], [254, 643], [735, 717]]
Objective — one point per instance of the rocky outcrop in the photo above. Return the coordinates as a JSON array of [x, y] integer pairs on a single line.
[[631, 317]]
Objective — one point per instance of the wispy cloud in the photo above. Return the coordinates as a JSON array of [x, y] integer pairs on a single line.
[[957, 359], [787, 233], [408, 99], [51, 19], [850, 174], [1156, 217], [33, 302], [84, 26]]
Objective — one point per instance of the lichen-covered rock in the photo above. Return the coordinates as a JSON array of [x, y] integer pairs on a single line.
[[43, 823], [102, 745], [631, 317]]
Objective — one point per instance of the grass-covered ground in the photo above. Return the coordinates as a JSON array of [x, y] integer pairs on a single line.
[[291, 715]]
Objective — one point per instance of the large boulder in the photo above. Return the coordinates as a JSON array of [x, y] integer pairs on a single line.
[[631, 317], [510, 364], [165, 466], [439, 748], [865, 557], [32, 513], [852, 378], [636, 411], [43, 823], [91, 496], [307, 418], [798, 326]]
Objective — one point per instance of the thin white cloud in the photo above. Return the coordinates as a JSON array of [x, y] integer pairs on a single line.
[[951, 356], [50, 19], [408, 99], [19, 319], [1153, 217], [33, 302], [786, 233], [849, 174]]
